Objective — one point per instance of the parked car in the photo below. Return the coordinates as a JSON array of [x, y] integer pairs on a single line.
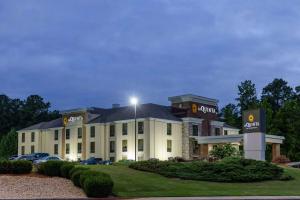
[[91, 161], [47, 158], [13, 157], [106, 162], [24, 157], [37, 156]]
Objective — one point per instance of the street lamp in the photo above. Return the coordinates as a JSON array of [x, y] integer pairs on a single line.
[[134, 102]]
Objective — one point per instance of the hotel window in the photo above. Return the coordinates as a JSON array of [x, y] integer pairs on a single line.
[[169, 145], [56, 135], [32, 148], [56, 149], [67, 134], [23, 150], [112, 130], [79, 133], [140, 127], [217, 131], [92, 131], [169, 129], [195, 130], [79, 147], [140, 145], [67, 148], [124, 129], [23, 137], [32, 136], [225, 132], [124, 145], [112, 146], [112, 159], [92, 147]]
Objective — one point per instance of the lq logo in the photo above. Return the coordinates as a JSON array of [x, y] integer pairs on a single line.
[[72, 119], [251, 124], [203, 109]]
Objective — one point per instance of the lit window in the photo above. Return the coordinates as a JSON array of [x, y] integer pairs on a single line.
[[124, 145], [140, 127], [169, 145]]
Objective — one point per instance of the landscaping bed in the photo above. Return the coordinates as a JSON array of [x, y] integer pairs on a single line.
[[37, 186], [226, 170]]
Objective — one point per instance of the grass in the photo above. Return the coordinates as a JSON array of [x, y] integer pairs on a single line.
[[133, 183]]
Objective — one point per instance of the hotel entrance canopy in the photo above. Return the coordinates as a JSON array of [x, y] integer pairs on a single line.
[[271, 139]]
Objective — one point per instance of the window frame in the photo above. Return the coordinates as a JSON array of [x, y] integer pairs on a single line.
[[67, 148], [23, 137], [79, 133], [56, 135], [92, 132], [169, 128], [140, 149], [68, 133], [94, 147], [125, 129], [32, 136], [141, 128], [193, 133], [112, 150], [32, 149], [79, 144], [55, 149], [112, 130], [169, 149], [124, 146]]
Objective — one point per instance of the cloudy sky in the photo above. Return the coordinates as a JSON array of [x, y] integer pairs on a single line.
[[99, 52]]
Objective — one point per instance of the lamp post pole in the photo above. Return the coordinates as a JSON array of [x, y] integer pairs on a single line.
[[134, 132]]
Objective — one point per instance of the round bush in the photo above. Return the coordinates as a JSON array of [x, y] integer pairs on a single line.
[[98, 186], [51, 168], [89, 173], [65, 170], [5, 166], [21, 167], [76, 176], [74, 169]]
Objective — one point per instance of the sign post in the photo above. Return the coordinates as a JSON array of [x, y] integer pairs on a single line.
[[254, 129]]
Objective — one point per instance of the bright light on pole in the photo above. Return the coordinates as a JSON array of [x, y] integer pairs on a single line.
[[134, 101]]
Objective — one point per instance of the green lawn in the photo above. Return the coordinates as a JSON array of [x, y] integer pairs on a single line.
[[133, 183]]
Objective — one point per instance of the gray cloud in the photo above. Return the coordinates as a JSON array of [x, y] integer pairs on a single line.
[[94, 53]]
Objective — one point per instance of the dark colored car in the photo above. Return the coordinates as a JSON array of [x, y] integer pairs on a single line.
[[13, 157], [91, 161], [106, 162], [37, 156]]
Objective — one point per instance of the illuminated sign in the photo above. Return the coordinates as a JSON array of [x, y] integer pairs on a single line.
[[72, 119], [254, 121], [204, 109]]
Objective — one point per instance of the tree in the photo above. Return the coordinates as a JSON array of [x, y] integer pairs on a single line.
[[9, 144], [277, 92], [230, 115], [224, 151], [247, 97]]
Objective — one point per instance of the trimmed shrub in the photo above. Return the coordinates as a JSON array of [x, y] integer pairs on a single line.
[[51, 168], [74, 169], [5, 167], [89, 173], [21, 167], [65, 170], [15, 167], [98, 186], [227, 170], [76, 176]]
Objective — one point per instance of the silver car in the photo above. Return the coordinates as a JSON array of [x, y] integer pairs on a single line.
[[48, 158]]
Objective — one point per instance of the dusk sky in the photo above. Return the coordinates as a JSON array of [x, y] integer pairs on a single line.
[[95, 53]]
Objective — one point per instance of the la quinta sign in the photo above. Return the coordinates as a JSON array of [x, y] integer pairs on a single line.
[[254, 121], [72, 119], [204, 109]]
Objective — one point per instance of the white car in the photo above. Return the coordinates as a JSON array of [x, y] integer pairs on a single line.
[[48, 158]]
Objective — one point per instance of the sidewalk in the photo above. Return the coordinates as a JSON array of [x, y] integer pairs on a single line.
[[225, 198]]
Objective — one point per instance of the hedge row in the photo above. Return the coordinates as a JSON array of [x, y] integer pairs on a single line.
[[15, 167], [227, 170], [94, 183]]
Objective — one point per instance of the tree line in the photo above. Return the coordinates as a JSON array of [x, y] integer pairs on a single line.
[[16, 114], [282, 105]]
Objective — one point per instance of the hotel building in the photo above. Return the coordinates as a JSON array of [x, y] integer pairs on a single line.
[[188, 128]]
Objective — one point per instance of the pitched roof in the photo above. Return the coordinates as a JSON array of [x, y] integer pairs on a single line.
[[115, 114], [143, 111], [44, 125]]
